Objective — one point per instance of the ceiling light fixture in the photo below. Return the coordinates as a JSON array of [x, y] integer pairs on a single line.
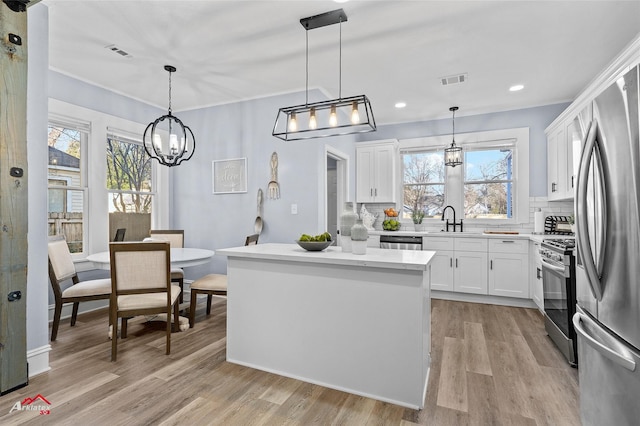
[[516, 88], [453, 154], [400, 104], [333, 117], [167, 139]]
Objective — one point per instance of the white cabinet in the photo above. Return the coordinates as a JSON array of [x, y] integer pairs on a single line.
[[442, 262], [557, 171], [460, 264], [376, 172], [470, 273], [509, 268], [535, 275]]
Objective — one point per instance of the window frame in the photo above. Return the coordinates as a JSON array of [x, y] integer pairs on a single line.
[[98, 215], [84, 127], [517, 138]]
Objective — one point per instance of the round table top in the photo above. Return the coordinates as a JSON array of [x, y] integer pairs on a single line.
[[180, 257]]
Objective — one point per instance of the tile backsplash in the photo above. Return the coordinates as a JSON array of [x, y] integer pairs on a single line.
[[549, 208]]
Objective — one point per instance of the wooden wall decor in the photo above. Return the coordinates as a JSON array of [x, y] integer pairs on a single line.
[[13, 199]]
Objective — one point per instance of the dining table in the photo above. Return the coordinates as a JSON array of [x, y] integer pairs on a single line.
[[180, 258]]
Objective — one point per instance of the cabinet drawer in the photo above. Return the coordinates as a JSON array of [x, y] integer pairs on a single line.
[[471, 244], [508, 245], [437, 243]]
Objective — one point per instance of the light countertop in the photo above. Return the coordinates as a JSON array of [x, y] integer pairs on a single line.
[[375, 257]]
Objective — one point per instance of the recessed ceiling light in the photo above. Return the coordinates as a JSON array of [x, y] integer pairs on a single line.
[[516, 88], [341, 1], [401, 104]]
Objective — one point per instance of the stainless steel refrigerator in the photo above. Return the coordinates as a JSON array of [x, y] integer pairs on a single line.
[[607, 320]]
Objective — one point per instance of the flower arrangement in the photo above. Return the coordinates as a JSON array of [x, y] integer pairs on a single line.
[[417, 216]]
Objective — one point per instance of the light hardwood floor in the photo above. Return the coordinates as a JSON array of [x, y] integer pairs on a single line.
[[491, 365]]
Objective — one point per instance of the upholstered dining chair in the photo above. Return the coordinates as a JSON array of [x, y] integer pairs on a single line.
[[141, 285], [212, 284], [61, 269], [176, 239]]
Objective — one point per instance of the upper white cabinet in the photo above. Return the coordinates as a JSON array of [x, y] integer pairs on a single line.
[[559, 164], [376, 166]]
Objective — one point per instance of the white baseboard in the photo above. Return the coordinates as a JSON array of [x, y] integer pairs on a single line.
[[480, 298], [38, 360]]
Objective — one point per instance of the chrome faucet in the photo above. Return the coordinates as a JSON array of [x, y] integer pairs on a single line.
[[455, 224]]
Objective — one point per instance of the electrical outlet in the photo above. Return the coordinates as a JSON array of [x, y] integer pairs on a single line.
[[294, 209]]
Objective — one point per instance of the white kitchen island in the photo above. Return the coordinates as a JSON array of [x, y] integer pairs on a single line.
[[356, 323]]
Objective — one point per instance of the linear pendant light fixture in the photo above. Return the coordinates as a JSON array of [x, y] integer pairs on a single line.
[[333, 117], [167, 139], [453, 154]]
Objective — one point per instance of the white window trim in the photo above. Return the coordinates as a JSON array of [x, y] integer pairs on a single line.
[[454, 175], [97, 217]]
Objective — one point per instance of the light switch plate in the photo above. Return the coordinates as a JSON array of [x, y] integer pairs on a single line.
[[294, 209]]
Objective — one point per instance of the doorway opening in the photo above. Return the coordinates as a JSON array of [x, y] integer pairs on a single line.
[[336, 188]]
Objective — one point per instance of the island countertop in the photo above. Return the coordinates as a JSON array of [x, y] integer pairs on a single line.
[[375, 257]]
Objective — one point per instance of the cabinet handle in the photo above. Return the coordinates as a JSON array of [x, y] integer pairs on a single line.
[[376, 192], [553, 187], [491, 264], [538, 273], [572, 178], [456, 263], [508, 241], [451, 262], [371, 192]]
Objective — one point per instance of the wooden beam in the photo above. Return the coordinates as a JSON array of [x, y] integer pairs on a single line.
[[13, 199]]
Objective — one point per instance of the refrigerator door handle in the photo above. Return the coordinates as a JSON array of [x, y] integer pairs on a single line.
[[584, 244], [606, 344]]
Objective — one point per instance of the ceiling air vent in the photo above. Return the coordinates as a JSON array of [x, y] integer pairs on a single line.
[[453, 79], [117, 50]]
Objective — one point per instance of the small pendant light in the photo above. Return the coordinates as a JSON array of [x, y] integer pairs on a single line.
[[453, 154]]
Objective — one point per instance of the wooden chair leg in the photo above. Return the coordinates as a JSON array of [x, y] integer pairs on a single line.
[[209, 297], [56, 321], [192, 307], [74, 313], [114, 338], [123, 329], [169, 325], [181, 284]]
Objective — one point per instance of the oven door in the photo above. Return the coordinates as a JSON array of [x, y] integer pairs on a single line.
[[555, 294]]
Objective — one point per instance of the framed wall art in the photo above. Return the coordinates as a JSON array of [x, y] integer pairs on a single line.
[[230, 176]]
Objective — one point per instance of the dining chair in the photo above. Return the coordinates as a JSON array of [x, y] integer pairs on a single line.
[[62, 269], [141, 285], [120, 234], [212, 284], [176, 239]]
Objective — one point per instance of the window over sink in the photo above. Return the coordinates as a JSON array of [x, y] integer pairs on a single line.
[[492, 186]]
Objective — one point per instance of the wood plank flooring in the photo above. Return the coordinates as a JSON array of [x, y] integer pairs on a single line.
[[491, 365]]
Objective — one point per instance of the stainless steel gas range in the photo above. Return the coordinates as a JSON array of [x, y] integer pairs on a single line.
[[559, 284]]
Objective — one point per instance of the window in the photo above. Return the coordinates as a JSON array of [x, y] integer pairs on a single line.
[[488, 184], [67, 183], [492, 185], [423, 182], [130, 187]]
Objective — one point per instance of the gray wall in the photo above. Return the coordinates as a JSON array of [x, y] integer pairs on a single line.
[[536, 119]]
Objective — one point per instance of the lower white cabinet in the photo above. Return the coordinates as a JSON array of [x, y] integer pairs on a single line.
[[470, 273], [509, 268], [535, 275], [489, 266], [442, 271]]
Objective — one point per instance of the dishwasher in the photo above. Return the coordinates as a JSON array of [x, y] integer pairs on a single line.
[[400, 242]]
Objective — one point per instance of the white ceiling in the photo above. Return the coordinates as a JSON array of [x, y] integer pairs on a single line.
[[392, 50]]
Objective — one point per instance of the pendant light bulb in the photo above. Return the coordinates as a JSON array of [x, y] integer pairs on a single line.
[[313, 124], [293, 122], [355, 115], [333, 118]]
